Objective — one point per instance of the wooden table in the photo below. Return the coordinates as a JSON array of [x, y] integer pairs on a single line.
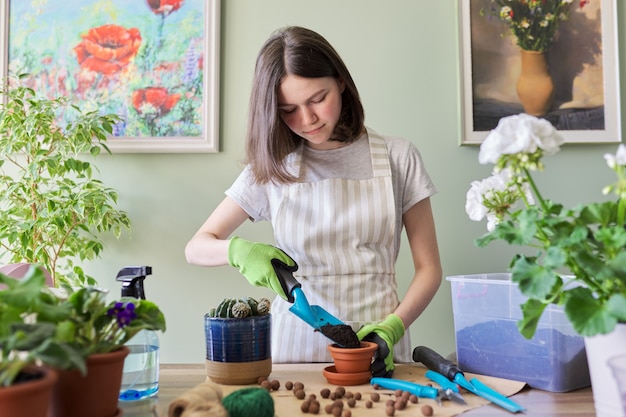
[[176, 379]]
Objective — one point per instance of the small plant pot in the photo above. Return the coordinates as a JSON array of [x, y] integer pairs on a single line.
[[94, 394], [29, 398], [353, 360], [238, 350]]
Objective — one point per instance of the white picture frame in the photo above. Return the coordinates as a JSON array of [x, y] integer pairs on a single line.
[[203, 120]]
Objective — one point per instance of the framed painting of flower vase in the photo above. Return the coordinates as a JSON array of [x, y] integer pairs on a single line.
[[154, 63], [554, 59]]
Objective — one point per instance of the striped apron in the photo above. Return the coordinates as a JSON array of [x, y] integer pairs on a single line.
[[341, 232]]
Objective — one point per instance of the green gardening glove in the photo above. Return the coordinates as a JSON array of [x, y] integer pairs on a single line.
[[254, 261], [385, 334]]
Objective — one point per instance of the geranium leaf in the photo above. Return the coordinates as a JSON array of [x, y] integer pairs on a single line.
[[532, 311], [533, 279], [617, 306], [588, 315]]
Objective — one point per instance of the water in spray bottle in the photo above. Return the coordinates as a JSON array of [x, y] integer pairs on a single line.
[[140, 377]]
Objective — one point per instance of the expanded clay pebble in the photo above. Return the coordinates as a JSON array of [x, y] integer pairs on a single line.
[[368, 404], [399, 405], [310, 406], [267, 385], [289, 385], [341, 391], [314, 408], [427, 410], [297, 386], [390, 411], [375, 396], [346, 413], [338, 404], [413, 399], [351, 402], [325, 393], [261, 379], [357, 396], [300, 394], [275, 384]]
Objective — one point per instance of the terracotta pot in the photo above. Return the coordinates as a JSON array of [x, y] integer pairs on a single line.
[[535, 87], [29, 398], [95, 394], [352, 360], [238, 351]]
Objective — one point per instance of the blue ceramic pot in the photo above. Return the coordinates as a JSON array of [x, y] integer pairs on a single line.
[[238, 340]]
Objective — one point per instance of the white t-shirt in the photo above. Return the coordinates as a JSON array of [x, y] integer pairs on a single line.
[[411, 182]]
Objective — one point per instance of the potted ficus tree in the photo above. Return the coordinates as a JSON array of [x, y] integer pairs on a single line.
[[53, 209]]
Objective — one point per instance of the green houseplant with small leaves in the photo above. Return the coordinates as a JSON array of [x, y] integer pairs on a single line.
[[38, 324], [52, 208]]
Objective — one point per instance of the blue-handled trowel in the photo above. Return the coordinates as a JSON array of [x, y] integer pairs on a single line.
[[314, 315]]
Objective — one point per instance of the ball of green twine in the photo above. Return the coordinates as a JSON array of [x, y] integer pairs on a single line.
[[249, 402]]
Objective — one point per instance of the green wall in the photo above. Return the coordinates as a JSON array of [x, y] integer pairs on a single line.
[[404, 57]]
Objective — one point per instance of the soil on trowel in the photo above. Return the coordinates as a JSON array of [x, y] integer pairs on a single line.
[[342, 334]]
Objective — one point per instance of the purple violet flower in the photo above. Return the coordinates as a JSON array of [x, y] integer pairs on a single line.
[[124, 314]]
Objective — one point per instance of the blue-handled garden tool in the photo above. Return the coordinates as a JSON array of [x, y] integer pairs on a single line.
[[314, 315], [444, 369], [422, 391]]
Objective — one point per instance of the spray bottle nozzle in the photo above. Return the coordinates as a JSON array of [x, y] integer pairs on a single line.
[[132, 280]]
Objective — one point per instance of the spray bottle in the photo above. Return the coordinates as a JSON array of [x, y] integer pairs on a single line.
[[140, 377]]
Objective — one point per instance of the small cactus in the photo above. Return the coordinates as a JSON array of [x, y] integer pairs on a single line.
[[240, 308], [263, 306]]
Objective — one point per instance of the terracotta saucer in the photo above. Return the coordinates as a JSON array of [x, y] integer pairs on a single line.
[[352, 378]]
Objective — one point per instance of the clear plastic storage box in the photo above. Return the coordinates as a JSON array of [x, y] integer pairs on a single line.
[[486, 309]]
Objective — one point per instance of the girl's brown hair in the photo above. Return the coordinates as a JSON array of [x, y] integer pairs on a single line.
[[293, 51]]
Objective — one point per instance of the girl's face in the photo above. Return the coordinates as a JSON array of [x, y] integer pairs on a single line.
[[311, 107]]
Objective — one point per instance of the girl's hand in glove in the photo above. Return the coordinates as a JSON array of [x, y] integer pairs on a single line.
[[254, 261], [385, 334]]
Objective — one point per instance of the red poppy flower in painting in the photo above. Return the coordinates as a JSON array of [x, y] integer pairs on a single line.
[[154, 101], [164, 7], [107, 49]]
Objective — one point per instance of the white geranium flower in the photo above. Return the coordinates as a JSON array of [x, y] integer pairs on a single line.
[[618, 159], [493, 196], [520, 133]]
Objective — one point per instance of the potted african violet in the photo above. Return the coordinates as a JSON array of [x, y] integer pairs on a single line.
[[80, 335], [238, 341]]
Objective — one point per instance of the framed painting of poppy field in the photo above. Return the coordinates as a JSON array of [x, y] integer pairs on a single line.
[[154, 63], [553, 59]]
